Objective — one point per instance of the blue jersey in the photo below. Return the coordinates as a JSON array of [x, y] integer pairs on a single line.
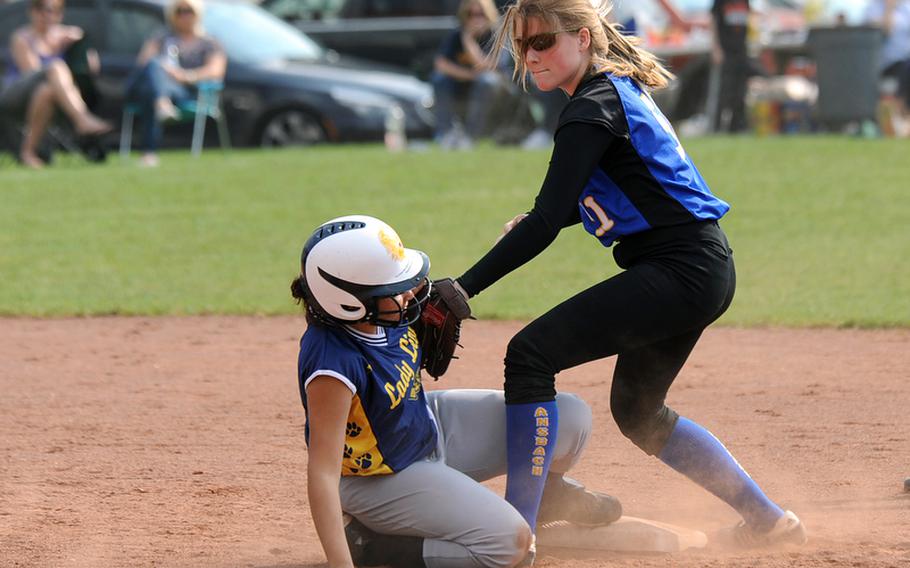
[[389, 426], [646, 180]]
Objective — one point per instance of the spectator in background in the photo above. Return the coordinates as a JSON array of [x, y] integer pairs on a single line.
[[729, 51], [170, 65], [894, 18], [459, 73], [38, 81]]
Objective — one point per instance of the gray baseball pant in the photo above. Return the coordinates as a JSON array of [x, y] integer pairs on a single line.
[[440, 498]]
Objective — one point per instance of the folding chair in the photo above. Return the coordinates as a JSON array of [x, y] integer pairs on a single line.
[[206, 105], [58, 136], [8, 147]]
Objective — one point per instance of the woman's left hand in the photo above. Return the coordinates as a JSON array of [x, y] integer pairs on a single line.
[[70, 35]]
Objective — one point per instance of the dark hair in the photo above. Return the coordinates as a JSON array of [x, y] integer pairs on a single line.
[[299, 293], [297, 289], [38, 4]]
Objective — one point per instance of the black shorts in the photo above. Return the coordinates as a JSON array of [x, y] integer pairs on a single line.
[[15, 97]]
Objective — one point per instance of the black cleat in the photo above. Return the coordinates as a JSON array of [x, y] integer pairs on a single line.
[[565, 499], [358, 537]]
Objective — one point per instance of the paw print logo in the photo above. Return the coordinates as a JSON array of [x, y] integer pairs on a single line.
[[348, 451], [364, 461], [353, 430]]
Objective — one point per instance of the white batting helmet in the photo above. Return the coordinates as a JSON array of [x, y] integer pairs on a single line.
[[351, 262]]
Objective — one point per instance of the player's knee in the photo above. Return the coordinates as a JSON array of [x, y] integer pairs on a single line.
[[57, 67], [646, 428], [528, 375], [574, 431], [42, 95], [523, 353], [522, 544], [572, 404], [636, 429], [503, 546], [574, 420]]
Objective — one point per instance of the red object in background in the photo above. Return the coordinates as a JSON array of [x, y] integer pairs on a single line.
[[800, 67]]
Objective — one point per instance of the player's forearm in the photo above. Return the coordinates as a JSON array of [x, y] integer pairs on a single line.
[[214, 69], [325, 505], [578, 150], [473, 50], [23, 57], [525, 241]]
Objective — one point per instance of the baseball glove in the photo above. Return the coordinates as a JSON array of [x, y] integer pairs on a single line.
[[439, 328]]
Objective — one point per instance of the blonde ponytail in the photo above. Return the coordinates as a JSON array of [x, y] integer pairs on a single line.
[[623, 57]]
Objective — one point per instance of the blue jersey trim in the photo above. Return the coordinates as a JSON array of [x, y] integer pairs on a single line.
[[653, 137], [607, 208]]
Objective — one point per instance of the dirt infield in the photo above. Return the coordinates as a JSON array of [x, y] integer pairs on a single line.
[[179, 441]]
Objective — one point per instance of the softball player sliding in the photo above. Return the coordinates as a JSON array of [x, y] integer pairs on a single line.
[[410, 462], [618, 168]]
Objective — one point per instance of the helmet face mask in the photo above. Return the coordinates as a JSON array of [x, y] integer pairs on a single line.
[[403, 315], [351, 263]]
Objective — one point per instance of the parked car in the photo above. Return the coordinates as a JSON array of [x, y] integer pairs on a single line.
[[404, 33], [281, 87]]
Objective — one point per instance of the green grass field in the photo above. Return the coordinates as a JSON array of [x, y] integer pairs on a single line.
[[820, 228]]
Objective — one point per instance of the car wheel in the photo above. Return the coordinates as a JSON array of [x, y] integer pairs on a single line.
[[292, 127]]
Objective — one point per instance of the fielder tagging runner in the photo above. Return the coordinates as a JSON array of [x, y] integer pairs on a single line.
[[410, 461], [618, 168]]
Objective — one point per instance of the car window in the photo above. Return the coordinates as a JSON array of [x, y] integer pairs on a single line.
[[130, 26], [77, 13], [291, 10], [343, 9], [249, 34], [397, 8], [12, 18]]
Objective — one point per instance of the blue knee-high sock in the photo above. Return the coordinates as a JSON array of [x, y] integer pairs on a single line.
[[531, 435], [694, 452]]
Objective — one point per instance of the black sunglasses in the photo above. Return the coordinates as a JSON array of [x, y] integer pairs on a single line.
[[184, 10], [539, 42]]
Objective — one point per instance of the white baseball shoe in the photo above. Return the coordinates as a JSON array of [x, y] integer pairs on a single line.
[[788, 530]]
